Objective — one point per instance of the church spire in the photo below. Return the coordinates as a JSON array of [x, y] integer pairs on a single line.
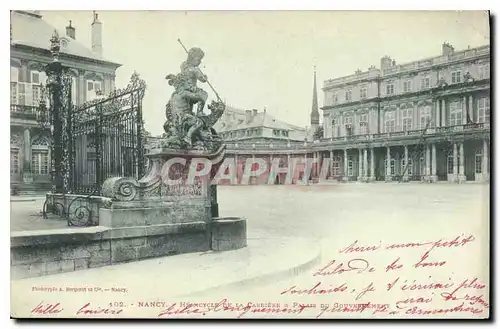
[[314, 109]]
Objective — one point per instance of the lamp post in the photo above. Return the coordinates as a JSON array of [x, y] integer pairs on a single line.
[[58, 86]]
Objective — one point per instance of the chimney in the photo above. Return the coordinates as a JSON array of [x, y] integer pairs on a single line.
[[70, 31], [255, 112], [385, 62], [96, 28], [248, 116], [447, 49]]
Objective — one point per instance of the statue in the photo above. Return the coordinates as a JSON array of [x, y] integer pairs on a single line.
[[184, 128]]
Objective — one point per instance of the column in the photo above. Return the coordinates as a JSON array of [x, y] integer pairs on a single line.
[[81, 97], [443, 113], [388, 176], [427, 161], [365, 164], [486, 159], [331, 163], [372, 164], [461, 172], [434, 164], [471, 108], [26, 174], [438, 113], [405, 173], [236, 169], [464, 111], [455, 162], [360, 165], [341, 123], [346, 172], [314, 173]]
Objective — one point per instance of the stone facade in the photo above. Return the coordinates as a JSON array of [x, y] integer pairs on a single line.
[[427, 120], [30, 144]]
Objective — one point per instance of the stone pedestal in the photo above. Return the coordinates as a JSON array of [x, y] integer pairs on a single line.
[[171, 210], [229, 233]]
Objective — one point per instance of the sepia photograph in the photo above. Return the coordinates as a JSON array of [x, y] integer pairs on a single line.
[[250, 164]]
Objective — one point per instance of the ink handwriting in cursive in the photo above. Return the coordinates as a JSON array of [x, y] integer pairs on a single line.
[[241, 309], [358, 265], [87, 309], [46, 308], [317, 289]]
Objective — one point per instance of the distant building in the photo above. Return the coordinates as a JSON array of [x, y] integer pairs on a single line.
[[252, 126], [92, 75], [427, 120], [432, 113]]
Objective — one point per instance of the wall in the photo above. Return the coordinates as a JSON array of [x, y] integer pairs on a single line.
[[37, 253]]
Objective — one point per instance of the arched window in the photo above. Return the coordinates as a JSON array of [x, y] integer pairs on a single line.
[[40, 156]]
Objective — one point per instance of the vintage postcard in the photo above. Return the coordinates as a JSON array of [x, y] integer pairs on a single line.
[[250, 164]]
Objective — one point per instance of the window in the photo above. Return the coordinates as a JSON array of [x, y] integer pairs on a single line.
[[350, 165], [335, 128], [363, 124], [362, 93], [450, 164], [390, 121], [14, 161], [40, 162], [407, 86], [456, 113], [456, 77], [410, 167], [390, 89], [348, 125], [407, 118], [348, 95], [425, 117], [483, 110], [479, 161], [33, 90], [335, 98], [425, 83], [484, 71], [392, 164], [93, 88], [336, 166], [28, 91]]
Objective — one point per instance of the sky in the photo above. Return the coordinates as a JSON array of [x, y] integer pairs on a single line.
[[259, 59]]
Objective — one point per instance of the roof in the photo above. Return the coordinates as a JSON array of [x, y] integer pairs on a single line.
[[29, 29], [259, 119]]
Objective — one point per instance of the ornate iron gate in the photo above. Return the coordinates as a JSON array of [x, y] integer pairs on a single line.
[[106, 139], [91, 142]]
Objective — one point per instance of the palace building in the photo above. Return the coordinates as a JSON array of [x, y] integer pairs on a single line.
[[92, 77], [427, 120]]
